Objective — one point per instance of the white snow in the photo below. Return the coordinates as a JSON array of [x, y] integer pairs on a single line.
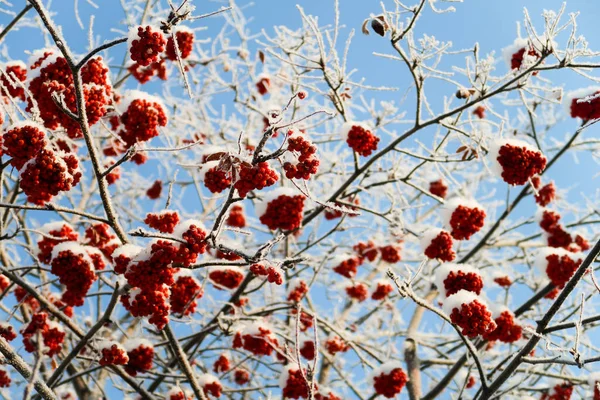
[[458, 299], [428, 236], [134, 343], [508, 51], [583, 94], [494, 152], [385, 368], [541, 263], [347, 126]]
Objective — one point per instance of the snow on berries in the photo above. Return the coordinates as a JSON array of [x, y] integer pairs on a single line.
[[53, 234], [516, 161], [335, 344], [215, 177], [185, 43], [281, 208], [177, 393], [451, 278], [388, 379], [438, 188], [366, 251], [270, 272], [360, 138], [583, 103], [11, 77], [470, 313], [226, 277], [346, 265], [560, 391], [141, 117], [210, 385], [52, 335], [297, 289], [257, 338], [112, 353], [141, 356], [253, 177], [437, 245], [558, 265], [145, 43], [543, 195], [75, 269], [236, 217], [463, 217], [520, 54], [507, 330], [7, 331], [357, 291], [164, 221], [123, 255], [293, 384], [184, 293], [382, 289], [303, 151], [22, 141]]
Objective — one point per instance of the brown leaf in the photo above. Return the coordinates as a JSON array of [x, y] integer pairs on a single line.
[[378, 27], [461, 149], [364, 29], [261, 56]]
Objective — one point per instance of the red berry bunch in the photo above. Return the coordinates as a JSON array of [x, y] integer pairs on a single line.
[[452, 278], [7, 331], [254, 177], [281, 209], [184, 293], [143, 74], [155, 190], [215, 178], [336, 344], [154, 304], [556, 236], [584, 103], [390, 253], [273, 274], [293, 384], [57, 232], [226, 277], [517, 58], [559, 265], [360, 139], [100, 237], [145, 44], [5, 380], [437, 245], [112, 353], [382, 290], [389, 379], [23, 141], [307, 164], [358, 291], [75, 269], [164, 222], [185, 44], [516, 161], [559, 392], [503, 281], [52, 76], [236, 217], [347, 266], [17, 72], [141, 356], [366, 250], [123, 255], [241, 376], [141, 117], [332, 213], [176, 393], [297, 289], [465, 218], [256, 338], [307, 350], [210, 385], [222, 364], [306, 320], [26, 299], [544, 195], [507, 330], [263, 85], [479, 112], [470, 313], [48, 174], [438, 188], [52, 334]]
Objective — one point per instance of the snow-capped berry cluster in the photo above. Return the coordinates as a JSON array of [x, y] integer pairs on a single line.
[[336, 344], [22, 141], [141, 356], [584, 103], [229, 277], [297, 289], [382, 289], [223, 364], [257, 338], [516, 161], [357, 291], [347, 265], [451, 278], [464, 218], [281, 209], [293, 384], [273, 274], [176, 393], [236, 217], [164, 221], [389, 379], [503, 281], [557, 264], [544, 195], [184, 293], [7, 331], [469, 312], [48, 174], [366, 251], [145, 43], [54, 233], [75, 269], [13, 73], [437, 245], [5, 380], [185, 43], [99, 236], [360, 138], [507, 330], [521, 50], [560, 391], [141, 116], [210, 385], [307, 164], [215, 177], [438, 188], [51, 77], [112, 353], [255, 177], [52, 335]]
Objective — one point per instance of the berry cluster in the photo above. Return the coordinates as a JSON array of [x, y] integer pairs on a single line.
[[357, 291], [281, 209], [382, 289], [307, 164], [507, 330], [438, 188], [13, 74], [360, 138], [184, 293], [7, 331], [252, 177], [293, 384], [256, 338], [348, 267], [222, 364], [437, 245], [263, 85], [100, 237], [389, 379], [210, 385], [164, 222], [51, 333], [5, 380], [544, 194], [75, 269], [236, 217], [516, 161], [336, 344], [229, 277], [112, 353], [555, 234], [22, 142], [584, 103], [308, 350], [297, 289], [470, 313], [141, 117], [185, 44], [216, 179], [366, 251], [273, 274], [241, 377], [141, 356], [155, 190], [562, 391], [55, 233], [145, 44], [558, 265], [390, 253], [465, 218]]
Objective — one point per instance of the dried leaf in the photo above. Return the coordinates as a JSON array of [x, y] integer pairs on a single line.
[[461, 149], [378, 27], [261, 56], [364, 29]]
